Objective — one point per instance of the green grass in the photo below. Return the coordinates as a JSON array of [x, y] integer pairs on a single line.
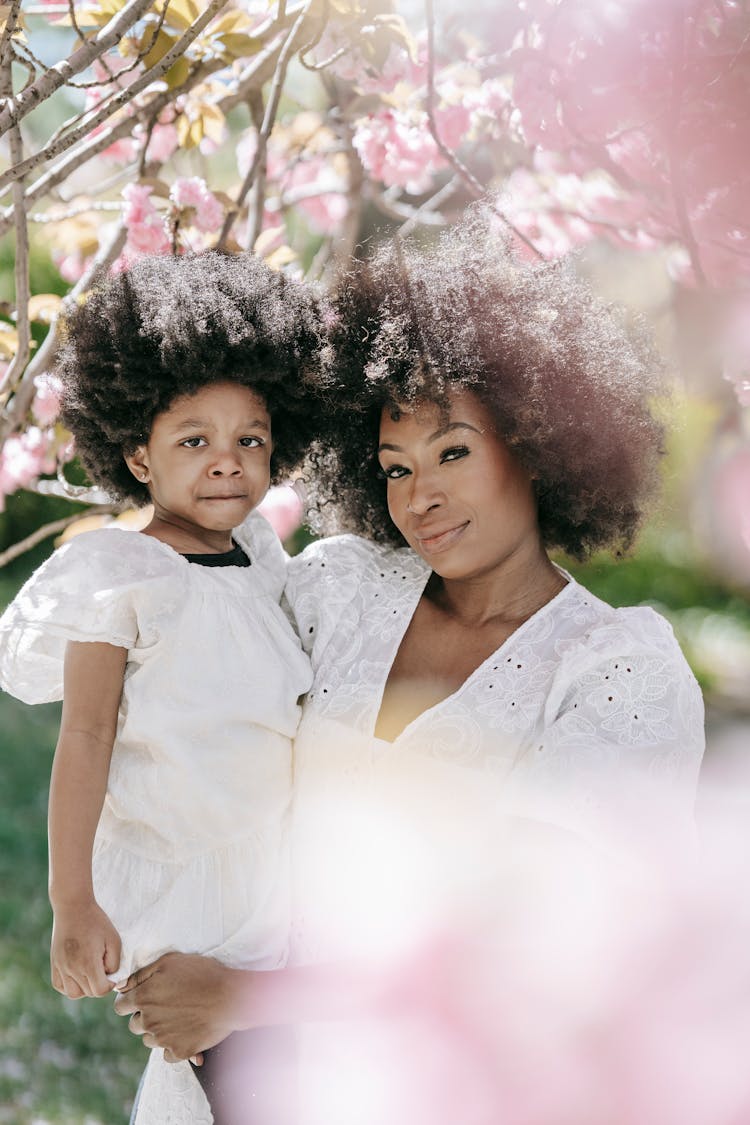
[[61, 1061]]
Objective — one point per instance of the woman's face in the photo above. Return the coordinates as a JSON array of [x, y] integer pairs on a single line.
[[455, 491]]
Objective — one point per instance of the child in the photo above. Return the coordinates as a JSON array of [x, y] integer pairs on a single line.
[[187, 384]]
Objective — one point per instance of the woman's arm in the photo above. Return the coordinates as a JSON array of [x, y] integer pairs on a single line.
[[187, 1003], [85, 944]]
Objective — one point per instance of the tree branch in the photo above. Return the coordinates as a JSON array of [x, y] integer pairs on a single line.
[[255, 219], [17, 409], [10, 26], [58, 75], [473, 184], [269, 118], [62, 144], [675, 167], [48, 530], [21, 268]]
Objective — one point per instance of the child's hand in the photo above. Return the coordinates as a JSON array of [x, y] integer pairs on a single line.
[[85, 947]]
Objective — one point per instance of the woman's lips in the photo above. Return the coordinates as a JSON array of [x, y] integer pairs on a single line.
[[440, 540]]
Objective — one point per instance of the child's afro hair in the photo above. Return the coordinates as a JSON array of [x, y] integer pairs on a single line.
[[169, 326]]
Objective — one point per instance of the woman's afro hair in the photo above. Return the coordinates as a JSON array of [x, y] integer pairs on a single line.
[[569, 384], [169, 326]]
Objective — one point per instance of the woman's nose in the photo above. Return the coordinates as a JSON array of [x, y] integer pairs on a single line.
[[423, 496]]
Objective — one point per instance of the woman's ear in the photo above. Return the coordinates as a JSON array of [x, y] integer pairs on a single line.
[[137, 462]]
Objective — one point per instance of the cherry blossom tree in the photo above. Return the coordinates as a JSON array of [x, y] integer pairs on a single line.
[[291, 130]]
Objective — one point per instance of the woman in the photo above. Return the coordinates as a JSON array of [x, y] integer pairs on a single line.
[[464, 684]]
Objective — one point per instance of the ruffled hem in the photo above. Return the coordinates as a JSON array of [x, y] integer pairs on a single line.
[[232, 903]]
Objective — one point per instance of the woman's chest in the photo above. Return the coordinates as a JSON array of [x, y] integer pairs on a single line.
[[484, 714]]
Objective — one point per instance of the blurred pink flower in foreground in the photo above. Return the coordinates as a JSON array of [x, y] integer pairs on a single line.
[[282, 508], [571, 991]]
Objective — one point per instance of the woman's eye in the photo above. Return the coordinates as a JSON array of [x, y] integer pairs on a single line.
[[251, 442], [454, 453], [193, 442], [394, 472]]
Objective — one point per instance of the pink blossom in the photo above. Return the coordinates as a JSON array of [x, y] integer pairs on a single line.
[[282, 508], [397, 148], [46, 404], [145, 226], [163, 142], [71, 267], [24, 457], [199, 206]]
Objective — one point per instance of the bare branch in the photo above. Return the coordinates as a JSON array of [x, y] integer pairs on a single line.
[[257, 72], [346, 242], [403, 212], [255, 224], [23, 327], [48, 530], [269, 118], [17, 409], [468, 177], [675, 165], [10, 26], [427, 211], [93, 146], [58, 75], [62, 144]]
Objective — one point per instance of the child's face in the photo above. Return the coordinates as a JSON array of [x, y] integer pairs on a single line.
[[207, 460]]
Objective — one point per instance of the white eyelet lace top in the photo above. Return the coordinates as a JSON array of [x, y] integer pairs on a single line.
[[578, 713]]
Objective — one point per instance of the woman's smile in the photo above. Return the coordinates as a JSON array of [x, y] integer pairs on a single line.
[[434, 542]]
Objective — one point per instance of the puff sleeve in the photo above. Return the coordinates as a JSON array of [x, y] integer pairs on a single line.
[[623, 736], [85, 591]]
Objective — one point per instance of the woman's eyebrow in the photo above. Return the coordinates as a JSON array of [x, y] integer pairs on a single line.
[[452, 426], [433, 437]]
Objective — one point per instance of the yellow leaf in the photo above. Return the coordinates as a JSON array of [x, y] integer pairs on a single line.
[[230, 21], [43, 307], [8, 341], [177, 73], [182, 14], [277, 259], [163, 43], [189, 133], [236, 45], [267, 238]]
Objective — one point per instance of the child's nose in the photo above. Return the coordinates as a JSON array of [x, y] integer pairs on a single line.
[[226, 464]]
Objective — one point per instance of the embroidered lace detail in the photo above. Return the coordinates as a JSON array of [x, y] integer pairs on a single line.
[[171, 1095]]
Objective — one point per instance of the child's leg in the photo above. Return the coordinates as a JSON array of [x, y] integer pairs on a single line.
[[251, 1078]]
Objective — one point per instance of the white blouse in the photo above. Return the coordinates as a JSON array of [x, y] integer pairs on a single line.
[[582, 712], [191, 851]]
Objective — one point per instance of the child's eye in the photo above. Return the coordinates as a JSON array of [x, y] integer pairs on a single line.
[[454, 453], [193, 442], [250, 442], [394, 472]]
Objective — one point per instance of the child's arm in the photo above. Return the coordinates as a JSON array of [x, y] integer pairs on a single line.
[[85, 944]]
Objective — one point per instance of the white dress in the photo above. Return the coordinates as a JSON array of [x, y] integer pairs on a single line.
[[191, 852], [582, 709]]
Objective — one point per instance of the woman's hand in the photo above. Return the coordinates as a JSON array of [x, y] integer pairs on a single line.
[[182, 1002], [85, 947]]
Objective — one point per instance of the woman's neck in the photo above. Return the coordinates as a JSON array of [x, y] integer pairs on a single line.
[[509, 593]]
